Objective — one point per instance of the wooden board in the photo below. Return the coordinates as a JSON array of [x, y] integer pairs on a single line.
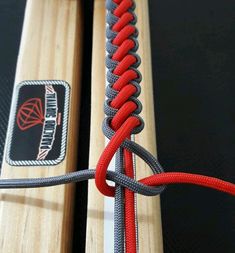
[[95, 214], [149, 218], [40, 220]]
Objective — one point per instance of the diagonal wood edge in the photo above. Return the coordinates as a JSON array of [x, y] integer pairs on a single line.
[[40, 220], [149, 211], [95, 215], [149, 216]]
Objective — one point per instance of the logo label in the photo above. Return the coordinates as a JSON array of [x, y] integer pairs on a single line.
[[38, 123]]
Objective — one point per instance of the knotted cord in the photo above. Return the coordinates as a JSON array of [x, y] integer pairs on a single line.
[[122, 109]]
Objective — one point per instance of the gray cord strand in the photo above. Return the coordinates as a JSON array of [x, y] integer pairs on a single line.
[[78, 176], [119, 207], [138, 150], [111, 112]]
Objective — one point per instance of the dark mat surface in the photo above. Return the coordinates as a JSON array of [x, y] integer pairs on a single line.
[[193, 53], [11, 20]]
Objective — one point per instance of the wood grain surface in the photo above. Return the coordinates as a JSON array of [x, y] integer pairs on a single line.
[[40, 220], [149, 216], [95, 215], [149, 213]]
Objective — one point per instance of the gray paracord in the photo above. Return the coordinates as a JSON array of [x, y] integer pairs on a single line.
[[78, 176], [111, 112], [119, 206]]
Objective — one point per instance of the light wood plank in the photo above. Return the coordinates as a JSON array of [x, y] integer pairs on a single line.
[[149, 217], [149, 213], [95, 214], [40, 220]]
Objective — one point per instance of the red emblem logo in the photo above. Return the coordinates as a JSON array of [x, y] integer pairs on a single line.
[[30, 114]]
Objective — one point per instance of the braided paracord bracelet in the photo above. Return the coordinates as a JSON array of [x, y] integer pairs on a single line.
[[122, 109]]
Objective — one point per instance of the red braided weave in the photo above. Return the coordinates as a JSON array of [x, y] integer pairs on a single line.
[[122, 120], [123, 124]]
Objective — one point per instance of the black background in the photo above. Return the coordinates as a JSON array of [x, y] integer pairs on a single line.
[[193, 54], [11, 18]]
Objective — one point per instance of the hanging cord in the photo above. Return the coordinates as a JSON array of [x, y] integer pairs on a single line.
[[122, 108], [123, 64], [122, 92]]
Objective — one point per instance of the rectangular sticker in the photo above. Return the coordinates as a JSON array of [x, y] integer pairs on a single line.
[[38, 123]]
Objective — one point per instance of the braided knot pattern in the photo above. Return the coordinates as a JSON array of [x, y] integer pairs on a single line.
[[122, 62], [122, 109], [122, 106]]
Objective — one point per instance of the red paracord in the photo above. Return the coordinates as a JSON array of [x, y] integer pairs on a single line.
[[122, 120], [123, 124], [167, 177]]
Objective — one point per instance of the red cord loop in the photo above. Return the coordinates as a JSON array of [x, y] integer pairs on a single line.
[[126, 78], [122, 133], [128, 91], [122, 123], [123, 113], [124, 64], [126, 46], [123, 6], [124, 34], [123, 21]]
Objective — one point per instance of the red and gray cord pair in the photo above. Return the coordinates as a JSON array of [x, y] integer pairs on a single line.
[[122, 108]]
